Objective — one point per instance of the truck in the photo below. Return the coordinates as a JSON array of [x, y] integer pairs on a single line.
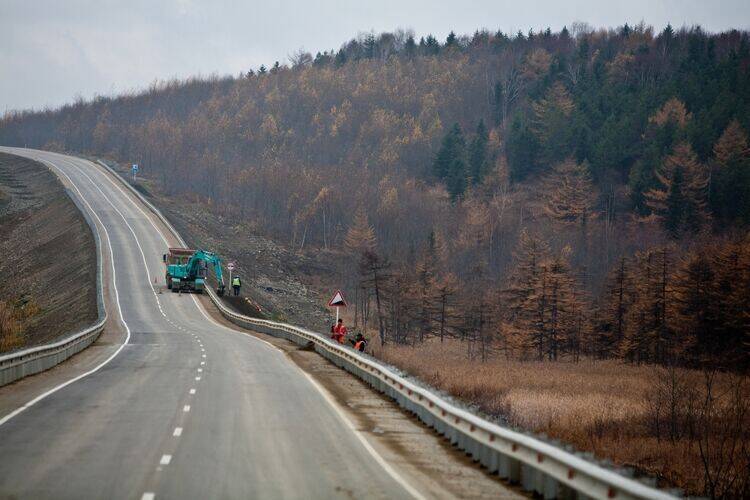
[[187, 270]]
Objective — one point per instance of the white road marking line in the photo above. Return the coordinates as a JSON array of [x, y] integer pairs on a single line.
[[395, 475], [200, 370], [148, 496], [203, 362], [192, 391], [186, 408], [165, 459], [132, 231], [197, 378], [203, 355], [327, 397], [117, 301], [177, 432]]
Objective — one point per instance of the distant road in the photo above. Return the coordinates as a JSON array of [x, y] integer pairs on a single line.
[[186, 408]]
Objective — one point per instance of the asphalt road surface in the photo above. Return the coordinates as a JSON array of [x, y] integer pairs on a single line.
[[185, 408]]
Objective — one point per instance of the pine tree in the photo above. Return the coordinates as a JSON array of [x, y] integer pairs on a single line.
[[551, 123], [478, 161], [450, 162], [451, 40]]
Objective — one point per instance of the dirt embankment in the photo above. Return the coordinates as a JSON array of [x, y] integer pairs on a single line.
[[47, 258]]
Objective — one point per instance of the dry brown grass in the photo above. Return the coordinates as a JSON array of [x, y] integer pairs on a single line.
[[10, 328], [605, 407]]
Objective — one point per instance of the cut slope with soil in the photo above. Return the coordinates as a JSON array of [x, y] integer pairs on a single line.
[[47, 254]]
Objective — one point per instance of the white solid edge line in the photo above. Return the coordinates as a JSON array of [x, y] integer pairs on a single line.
[[378, 458], [414, 493], [27, 405]]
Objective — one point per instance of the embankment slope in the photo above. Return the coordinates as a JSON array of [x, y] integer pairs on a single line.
[[47, 254]]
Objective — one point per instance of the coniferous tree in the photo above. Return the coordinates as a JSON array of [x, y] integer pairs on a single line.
[[569, 194], [478, 161], [680, 199], [451, 40], [551, 123], [730, 183], [615, 314], [450, 162], [694, 318]]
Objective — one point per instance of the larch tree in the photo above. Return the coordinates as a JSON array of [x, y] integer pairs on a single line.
[[528, 278], [569, 194], [695, 316], [730, 182], [649, 336], [680, 199], [618, 299]]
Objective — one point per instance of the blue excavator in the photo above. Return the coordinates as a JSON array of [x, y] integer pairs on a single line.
[[187, 270]]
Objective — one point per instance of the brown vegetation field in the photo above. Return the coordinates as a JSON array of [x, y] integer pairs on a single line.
[[686, 427]]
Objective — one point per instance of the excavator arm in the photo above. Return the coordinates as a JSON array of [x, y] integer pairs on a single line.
[[195, 264]]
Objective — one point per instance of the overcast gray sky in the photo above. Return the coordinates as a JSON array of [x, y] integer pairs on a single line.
[[53, 50]]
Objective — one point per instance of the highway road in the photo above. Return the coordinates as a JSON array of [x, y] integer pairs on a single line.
[[184, 407]]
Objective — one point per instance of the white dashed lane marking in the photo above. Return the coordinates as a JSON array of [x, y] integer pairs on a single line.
[[177, 432], [148, 496], [197, 378], [165, 459], [192, 391]]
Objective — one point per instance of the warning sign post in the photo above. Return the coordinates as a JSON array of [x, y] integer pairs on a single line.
[[337, 301]]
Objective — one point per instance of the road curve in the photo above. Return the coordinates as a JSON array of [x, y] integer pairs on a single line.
[[185, 408]]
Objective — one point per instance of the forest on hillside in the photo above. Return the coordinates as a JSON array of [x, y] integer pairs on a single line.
[[542, 195]]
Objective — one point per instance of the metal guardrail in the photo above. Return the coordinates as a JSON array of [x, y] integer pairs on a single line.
[[19, 364], [538, 466]]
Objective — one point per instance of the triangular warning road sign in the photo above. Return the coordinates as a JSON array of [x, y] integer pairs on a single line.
[[337, 300]]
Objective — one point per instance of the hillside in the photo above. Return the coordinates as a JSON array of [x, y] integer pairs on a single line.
[[588, 153], [569, 204]]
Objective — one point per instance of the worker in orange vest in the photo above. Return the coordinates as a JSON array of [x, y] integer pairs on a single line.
[[339, 332], [359, 343]]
